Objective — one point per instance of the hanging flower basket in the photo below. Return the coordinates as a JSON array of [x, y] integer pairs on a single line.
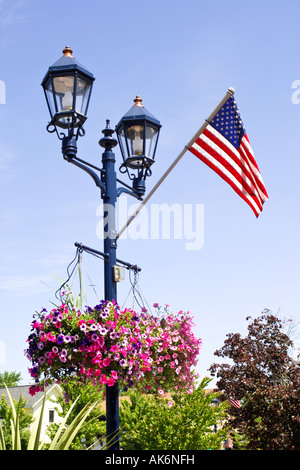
[[104, 345]]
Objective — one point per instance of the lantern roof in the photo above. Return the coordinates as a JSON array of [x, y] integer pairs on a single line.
[[140, 113], [67, 63]]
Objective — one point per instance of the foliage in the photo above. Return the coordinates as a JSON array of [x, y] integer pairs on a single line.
[[62, 438], [78, 397], [104, 345], [11, 379], [24, 420], [266, 381], [182, 421]]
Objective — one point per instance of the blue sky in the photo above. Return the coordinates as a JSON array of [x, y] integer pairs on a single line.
[[180, 57]]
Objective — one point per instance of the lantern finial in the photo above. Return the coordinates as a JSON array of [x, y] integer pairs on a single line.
[[138, 101], [68, 51]]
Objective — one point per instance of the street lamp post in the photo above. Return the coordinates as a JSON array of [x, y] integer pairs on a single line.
[[215, 402], [68, 86]]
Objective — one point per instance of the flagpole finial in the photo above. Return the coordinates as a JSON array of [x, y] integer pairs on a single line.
[[231, 90]]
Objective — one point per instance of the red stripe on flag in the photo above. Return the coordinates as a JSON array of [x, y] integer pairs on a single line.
[[225, 178], [228, 160], [245, 153], [235, 403]]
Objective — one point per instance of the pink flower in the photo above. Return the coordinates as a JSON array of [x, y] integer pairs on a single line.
[[106, 362], [103, 379], [111, 382], [38, 325], [114, 374], [50, 337]]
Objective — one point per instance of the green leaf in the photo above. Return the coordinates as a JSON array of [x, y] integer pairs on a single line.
[[34, 440], [71, 431]]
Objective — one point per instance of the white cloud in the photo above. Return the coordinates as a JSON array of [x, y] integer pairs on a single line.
[[13, 12], [25, 285]]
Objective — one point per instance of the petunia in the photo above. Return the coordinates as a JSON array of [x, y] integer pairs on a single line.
[[111, 382], [106, 362], [51, 337], [60, 339]]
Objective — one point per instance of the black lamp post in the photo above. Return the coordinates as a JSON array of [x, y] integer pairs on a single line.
[[67, 86], [215, 402]]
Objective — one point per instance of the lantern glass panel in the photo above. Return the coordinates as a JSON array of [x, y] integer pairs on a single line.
[[83, 91], [123, 142], [64, 90], [135, 135], [151, 140], [50, 97]]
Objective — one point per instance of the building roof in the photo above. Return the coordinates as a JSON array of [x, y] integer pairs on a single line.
[[23, 390]]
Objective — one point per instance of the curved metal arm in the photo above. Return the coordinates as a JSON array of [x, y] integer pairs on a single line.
[[128, 191], [88, 170]]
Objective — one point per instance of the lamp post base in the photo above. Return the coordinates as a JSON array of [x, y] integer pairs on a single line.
[[112, 417]]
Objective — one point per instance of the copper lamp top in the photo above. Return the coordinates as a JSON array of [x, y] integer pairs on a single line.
[[68, 52], [138, 101]]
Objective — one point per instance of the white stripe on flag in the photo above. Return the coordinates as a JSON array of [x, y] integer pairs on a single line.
[[228, 175]]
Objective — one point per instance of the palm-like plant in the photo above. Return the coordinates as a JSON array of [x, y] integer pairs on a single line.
[[63, 437]]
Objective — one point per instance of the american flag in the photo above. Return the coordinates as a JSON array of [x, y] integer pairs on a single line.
[[235, 403], [224, 147]]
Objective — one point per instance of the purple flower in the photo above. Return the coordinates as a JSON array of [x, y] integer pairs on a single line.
[[60, 339]]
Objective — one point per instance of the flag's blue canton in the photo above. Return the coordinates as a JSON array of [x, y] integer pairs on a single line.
[[228, 122]]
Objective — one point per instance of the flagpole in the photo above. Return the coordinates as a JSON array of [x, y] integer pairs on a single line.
[[229, 93]]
